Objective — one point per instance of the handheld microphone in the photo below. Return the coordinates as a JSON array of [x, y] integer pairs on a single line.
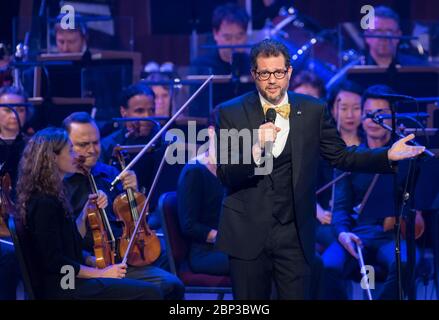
[[270, 116]]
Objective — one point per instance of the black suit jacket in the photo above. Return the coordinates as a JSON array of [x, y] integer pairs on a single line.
[[247, 210]]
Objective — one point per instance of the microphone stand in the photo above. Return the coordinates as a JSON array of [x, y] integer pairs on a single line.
[[379, 120], [397, 227], [408, 194]]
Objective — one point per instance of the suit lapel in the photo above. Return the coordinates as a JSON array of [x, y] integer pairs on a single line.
[[253, 109], [296, 129], [256, 117]]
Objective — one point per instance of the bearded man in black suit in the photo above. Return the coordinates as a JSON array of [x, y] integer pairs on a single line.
[[268, 216]]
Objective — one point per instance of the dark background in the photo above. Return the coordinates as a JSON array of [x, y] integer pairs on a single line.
[[162, 27]]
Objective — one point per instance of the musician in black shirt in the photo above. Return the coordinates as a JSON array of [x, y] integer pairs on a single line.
[[367, 227], [85, 138], [44, 208]]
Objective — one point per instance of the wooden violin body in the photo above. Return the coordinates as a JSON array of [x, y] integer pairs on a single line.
[[389, 224], [101, 246], [146, 248]]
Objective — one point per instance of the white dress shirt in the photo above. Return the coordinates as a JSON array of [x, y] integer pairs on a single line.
[[282, 123]]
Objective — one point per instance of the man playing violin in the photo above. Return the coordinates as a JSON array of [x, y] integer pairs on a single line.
[[137, 101], [85, 139], [367, 228]]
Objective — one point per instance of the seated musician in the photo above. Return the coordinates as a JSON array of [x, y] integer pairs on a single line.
[[344, 102], [71, 40], [12, 143], [163, 95], [200, 195], [85, 138], [307, 82], [136, 101], [229, 27], [43, 206], [368, 228], [384, 52]]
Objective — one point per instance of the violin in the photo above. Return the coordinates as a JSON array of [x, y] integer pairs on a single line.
[[7, 207], [103, 247], [126, 206], [389, 222]]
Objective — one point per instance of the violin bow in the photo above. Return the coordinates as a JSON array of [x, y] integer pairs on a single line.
[[330, 183], [359, 209], [161, 131], [148, 199], [363, 271], [6, 242]]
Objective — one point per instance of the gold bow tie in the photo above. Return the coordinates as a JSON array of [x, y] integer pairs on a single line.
[[283, 110]]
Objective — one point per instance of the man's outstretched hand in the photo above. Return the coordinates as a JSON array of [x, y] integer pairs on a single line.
[[401, 151]]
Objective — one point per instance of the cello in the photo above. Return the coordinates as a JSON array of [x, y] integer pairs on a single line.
[[126, 206], [104, 248]]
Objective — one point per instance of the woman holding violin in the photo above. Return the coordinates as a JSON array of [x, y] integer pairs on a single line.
[[44, 208], [142, 259]]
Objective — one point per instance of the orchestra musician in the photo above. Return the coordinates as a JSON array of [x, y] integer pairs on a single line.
[[85, 138], [43, 206]]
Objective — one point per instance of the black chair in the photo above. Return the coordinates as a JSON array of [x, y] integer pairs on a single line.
[[177, 248]]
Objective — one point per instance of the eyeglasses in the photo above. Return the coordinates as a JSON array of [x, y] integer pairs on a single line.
[[265, 75]]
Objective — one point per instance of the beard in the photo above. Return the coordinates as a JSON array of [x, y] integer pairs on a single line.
[[273, 99], [91, 161]]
